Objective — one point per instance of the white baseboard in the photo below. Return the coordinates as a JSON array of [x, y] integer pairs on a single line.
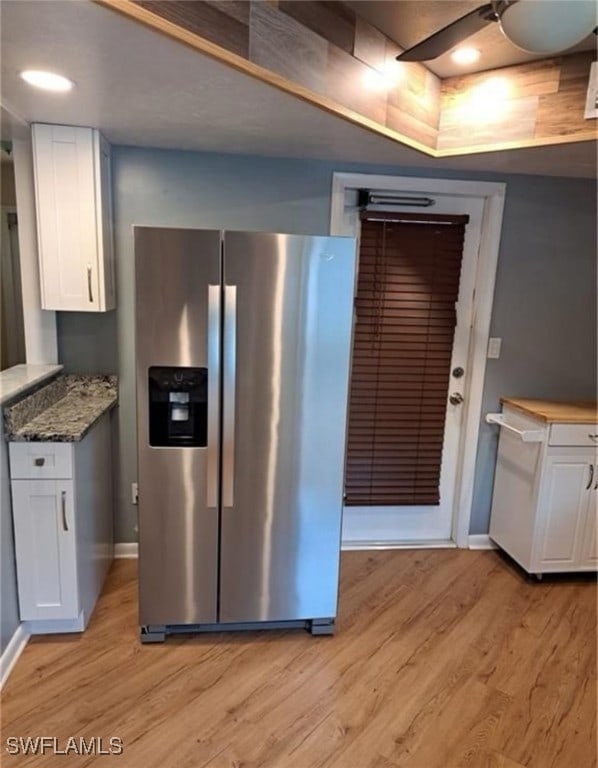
[[12, 652], [56, 626], [128, 549], [480, 541], [353, 545]]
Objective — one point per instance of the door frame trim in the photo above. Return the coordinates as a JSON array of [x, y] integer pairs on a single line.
[[344, 222]]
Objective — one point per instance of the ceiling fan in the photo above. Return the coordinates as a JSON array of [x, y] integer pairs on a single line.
[[535, 26]]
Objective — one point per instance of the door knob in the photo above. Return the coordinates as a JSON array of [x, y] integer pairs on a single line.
[[458, 372], [456, 398]]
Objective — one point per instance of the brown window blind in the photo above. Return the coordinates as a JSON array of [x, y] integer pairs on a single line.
[[408, 285]]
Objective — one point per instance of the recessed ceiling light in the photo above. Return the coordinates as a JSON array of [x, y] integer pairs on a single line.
[[47, 81], [465, 55]]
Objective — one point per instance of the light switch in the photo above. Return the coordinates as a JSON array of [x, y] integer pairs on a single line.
[[494, 348]]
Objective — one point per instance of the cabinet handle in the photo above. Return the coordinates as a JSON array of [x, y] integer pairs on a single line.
[[589, 485], [63, 506], [89, 289], [39, 462], [593, 437]]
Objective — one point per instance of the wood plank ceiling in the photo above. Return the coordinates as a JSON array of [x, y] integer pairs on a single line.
[[328, 55]]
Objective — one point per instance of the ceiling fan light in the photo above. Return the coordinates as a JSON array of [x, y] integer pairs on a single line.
[[548, 26]]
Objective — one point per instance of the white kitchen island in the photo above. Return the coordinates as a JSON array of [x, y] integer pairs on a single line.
[[544, 505]]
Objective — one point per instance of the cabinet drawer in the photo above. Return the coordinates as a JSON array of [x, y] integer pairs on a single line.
[[585, 435], [41, 461]]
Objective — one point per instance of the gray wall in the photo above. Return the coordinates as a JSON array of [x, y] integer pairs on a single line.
[[9, 606], [544, 308], [545, 298]]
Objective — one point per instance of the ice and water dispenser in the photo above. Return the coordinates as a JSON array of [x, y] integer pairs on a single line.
[[178, 406]]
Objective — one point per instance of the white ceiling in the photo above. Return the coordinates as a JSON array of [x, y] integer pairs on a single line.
[[408, 22], [141, 88]]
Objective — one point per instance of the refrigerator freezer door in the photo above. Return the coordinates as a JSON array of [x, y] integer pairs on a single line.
[[286, 370], [177, 277]]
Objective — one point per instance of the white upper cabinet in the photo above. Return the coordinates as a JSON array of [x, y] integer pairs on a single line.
[[74, 218]]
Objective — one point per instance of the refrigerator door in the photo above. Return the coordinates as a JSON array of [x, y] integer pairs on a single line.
[[177, 278], [287, 340]]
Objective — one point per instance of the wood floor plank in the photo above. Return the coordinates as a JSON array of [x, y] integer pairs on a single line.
[[496, 760], [443, 659], [457, 735], [422, 620], [437, 665], [557, 678]]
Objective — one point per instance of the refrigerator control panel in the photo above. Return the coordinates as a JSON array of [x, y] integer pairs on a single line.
[[178, 407]]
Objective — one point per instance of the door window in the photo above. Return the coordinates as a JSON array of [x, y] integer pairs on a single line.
[[409, 272]]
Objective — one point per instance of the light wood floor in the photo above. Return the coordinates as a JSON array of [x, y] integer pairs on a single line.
[[442, 659]]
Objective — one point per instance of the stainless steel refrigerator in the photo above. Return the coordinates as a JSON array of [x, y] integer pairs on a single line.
[[243, 345]]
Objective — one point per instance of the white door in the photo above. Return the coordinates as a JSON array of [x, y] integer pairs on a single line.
[[566, 488], [428, 524], [589, 546], [44, 526]]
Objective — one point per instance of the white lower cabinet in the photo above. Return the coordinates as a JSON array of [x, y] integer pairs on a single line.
[[545, 499], [63, 528], [566, 497], [45, 545]]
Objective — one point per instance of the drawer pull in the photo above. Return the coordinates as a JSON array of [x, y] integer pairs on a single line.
[[593, 437], [63, 506], [39, 462], [589, 485]]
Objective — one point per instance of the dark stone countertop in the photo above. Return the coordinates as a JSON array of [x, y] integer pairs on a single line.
[[63, 411]]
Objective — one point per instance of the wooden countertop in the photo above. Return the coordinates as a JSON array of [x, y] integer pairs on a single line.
[[554, 411]]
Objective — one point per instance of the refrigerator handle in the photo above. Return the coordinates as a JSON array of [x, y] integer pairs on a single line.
[[228, 400], [213, 394]]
